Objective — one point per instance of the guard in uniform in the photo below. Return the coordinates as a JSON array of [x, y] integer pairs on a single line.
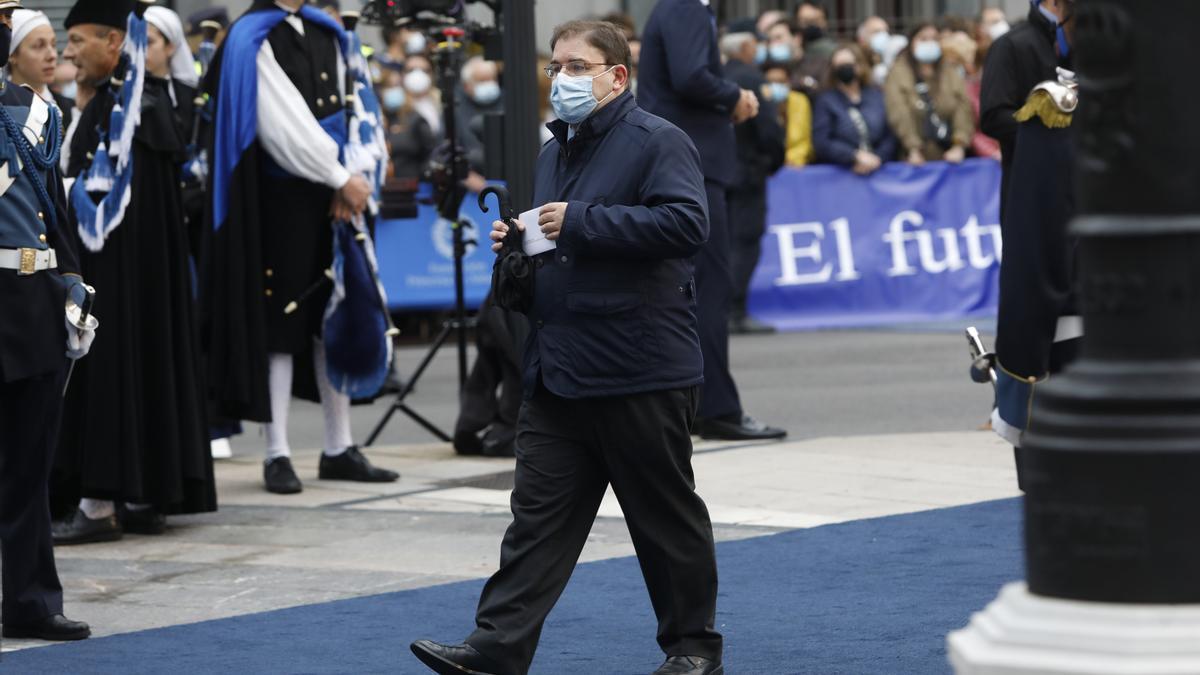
[[1038, 327], [39, 275], [279, 172]]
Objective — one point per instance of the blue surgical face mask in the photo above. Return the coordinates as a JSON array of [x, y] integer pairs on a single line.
[[1046, 13], [879, 42], [927, 51], [781, 52], [393, 98], [572, 98], [779, 91], [486, 93], [760, 54], [70, 90]]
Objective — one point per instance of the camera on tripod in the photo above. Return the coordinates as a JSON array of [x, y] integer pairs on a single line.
[[400, 12]]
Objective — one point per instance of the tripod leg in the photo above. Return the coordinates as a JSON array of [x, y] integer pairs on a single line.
[[398, 403], [419, 419]]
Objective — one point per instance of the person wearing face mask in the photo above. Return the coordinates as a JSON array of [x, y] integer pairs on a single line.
[[849, 120], [794, 111], [425, 99], [611, 370], [927, 104], [480, 97], [760, 152], [812, 22], [39, 280], [781, 46], [875, 39], [411, 141], [683, 81], [1028, 54]]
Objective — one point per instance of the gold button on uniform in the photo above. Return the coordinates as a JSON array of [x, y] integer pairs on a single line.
[[324, 77], [333, 99], [42, 238], [41, 216], [41, 139], [268, 292], [320, 103], [270, 273]]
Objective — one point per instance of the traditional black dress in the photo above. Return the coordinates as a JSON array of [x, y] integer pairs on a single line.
[[137, 428]]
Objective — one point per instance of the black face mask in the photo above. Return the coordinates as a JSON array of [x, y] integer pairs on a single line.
[[846, 73], [5, 42], [812, 34]]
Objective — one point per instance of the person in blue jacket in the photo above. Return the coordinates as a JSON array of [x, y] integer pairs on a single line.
[[612, 369], [681, 79], [41, 327], [850, 125]]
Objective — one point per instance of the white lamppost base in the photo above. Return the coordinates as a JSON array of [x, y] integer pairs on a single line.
[[1022, 633]]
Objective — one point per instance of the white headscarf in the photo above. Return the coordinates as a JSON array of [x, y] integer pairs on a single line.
[[23, 23], [183, 65]]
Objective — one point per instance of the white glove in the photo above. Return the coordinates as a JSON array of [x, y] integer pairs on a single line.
[[79, 337]]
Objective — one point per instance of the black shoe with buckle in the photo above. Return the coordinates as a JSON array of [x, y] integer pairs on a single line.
[[79, 529], [453, 659], [353, 465], [280, 477], [690, 665], [55, 627]]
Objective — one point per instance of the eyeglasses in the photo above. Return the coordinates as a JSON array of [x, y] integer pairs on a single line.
[[573, 68]]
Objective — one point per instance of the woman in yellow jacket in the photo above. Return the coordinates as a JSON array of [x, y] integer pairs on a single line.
[[796, 113], [927, 103]]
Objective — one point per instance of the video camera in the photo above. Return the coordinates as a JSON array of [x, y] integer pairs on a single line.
[[404, 12]]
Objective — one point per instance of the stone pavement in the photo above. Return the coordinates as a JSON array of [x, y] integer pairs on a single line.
[[443, 520]]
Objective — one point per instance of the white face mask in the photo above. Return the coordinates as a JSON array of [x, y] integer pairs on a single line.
[[879, 42], [998, 29], [417, 81]]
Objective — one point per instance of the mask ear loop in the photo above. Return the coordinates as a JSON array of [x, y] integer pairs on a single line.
[[611, 91]]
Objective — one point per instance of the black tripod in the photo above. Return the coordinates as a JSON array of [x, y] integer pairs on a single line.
[[447, 179]]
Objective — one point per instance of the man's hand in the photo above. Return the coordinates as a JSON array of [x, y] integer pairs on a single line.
[[355, 194], [955, 155], [747, 107], [915, 157], [499, 231], [550, 219]]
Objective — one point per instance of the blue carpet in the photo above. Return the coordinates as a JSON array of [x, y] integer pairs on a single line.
[[870, 596]]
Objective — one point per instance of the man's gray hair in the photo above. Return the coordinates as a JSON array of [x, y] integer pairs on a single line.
[[468, 69], [733, 43]]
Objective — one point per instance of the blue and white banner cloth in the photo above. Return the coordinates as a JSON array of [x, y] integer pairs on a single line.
[[111, 171]]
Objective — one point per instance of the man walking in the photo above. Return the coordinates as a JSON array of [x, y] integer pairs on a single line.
[[611, 371], [681, 79]]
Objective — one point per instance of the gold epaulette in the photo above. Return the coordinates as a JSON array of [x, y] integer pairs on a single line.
[[1053, 102]]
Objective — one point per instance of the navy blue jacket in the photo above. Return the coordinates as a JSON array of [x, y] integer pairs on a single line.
[[614, 307], [680, 78], [835, 137]]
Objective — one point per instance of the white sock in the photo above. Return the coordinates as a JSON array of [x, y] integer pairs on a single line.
[[96, 509], [137, 507], [335, 405], [280, 382]]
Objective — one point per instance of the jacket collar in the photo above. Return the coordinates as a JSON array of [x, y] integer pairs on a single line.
[[598, 124], [1038, 20]]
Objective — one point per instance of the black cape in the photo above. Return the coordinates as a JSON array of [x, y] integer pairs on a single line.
[[1037, 274], [134, 424]]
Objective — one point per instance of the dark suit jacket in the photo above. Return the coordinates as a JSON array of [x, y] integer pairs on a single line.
[[614, 305], [680, 79], [1015, 64], [836, 138], [760, 141]]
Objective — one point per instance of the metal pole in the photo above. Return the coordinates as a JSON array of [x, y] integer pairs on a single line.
[[521, 120]]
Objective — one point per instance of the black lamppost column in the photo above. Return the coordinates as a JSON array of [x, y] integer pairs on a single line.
[[1113, 448]]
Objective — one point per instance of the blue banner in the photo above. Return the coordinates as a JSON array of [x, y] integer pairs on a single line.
[[906, 244], [416, 256]]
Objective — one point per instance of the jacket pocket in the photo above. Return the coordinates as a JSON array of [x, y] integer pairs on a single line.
[[612, 340], [603, 302]]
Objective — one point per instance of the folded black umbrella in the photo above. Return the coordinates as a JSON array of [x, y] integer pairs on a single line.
[[512, 273]]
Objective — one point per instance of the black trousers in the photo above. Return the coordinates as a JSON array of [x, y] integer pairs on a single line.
[[748, 220], [568, 451], [29, 416], [714, 290]]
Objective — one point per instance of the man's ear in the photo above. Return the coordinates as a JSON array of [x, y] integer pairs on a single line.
[[621, 76]]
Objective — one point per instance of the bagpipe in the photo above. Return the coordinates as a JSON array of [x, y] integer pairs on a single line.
[[357, 328]]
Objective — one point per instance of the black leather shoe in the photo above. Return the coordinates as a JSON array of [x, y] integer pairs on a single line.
[[453, 659], [142, 521], [280, 477], [748, 429], [79, 529], [353, 465], [55, 627], [690, 665]]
